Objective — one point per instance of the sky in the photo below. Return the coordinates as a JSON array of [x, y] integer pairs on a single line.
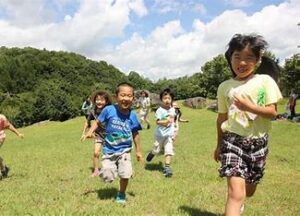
[[155, 38]]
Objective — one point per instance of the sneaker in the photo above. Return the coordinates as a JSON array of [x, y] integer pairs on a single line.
[[121, 198], [148, 126], [167, 171], [242, 209], [96, 173], [149, 157], [5, 171]]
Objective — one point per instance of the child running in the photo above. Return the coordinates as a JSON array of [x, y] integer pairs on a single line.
[[164, 131], [122, 127], [246, 104], [5, 124], [100, 99], [144, 103]]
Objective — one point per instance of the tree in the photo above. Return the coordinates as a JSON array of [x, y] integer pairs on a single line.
[[290, 78]]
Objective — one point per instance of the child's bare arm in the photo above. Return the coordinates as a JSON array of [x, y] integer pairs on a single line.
[[221, 118], [84, 129], [13, 129], [138, 150], [165, 122], [91, 131]]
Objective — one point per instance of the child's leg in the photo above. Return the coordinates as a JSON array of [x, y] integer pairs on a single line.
[[156, 148], [168, 159], [123, 185], [1, 164], [169, 150], [96, 155], [250, 189], [235, 196], [125, 172]]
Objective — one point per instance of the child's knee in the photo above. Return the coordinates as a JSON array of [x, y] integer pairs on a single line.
[[96, 154], [236, 195]]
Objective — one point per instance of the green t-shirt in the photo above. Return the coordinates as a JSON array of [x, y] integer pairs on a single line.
[[262, 90]]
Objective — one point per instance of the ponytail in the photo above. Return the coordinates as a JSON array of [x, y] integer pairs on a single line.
[[268, 66]]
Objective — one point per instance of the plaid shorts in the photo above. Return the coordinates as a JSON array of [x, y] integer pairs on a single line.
[[243, 157]]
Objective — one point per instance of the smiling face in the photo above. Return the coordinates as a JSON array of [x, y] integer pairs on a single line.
[[125, 98], [243, 63], [100, 101]]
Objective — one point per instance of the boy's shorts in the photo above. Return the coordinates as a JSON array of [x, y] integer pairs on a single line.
[[116, 166], [143, 114], [2, 137], [163, 142], [243, 157]]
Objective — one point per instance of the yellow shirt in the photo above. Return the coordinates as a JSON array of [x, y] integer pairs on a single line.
[[262, 90]]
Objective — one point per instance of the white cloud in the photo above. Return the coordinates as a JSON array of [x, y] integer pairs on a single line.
[[168, 51], [80, 32], [176, 6]]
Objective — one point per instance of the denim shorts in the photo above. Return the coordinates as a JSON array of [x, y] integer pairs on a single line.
[[243, 157]]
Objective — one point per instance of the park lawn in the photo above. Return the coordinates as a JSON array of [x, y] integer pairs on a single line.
[[50, 173]]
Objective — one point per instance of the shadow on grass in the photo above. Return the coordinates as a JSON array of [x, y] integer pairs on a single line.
[[106, 193], [154, 167], [197, 212]]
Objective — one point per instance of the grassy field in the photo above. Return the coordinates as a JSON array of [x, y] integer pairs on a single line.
[[50, 174]]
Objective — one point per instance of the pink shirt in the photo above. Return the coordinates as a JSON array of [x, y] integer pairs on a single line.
[[3, 125]]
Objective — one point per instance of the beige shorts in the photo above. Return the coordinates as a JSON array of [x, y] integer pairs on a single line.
[[163, 143], [116, 166], [143, 114]]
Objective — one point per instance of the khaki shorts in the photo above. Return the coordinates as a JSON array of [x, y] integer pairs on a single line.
[[165, 144], [116, 166]]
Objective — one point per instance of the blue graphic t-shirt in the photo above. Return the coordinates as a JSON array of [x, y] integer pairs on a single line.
[[119, 130]]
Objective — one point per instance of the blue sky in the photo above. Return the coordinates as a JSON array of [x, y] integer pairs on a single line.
[[156, 38]]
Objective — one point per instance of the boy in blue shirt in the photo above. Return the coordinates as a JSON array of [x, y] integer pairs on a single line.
[[122, 128]]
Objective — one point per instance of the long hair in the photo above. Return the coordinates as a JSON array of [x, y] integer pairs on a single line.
[[238, 42]]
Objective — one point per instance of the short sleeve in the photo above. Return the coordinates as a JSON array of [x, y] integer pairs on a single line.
[[273, 94], [172, 112], [135, 124], [222, 108], [103, 115], [158, 114]]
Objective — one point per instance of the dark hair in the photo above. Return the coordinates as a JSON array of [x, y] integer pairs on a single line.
[[166, 91], [268, 66], [145, 92], [122, 84], [103, 94], [239, 42]]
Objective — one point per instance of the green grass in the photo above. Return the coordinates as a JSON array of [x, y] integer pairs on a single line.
[[50, 174]]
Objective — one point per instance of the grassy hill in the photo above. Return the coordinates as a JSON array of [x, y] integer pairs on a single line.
[[50, 174]]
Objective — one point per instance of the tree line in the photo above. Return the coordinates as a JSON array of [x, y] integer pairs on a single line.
[[38, 85]]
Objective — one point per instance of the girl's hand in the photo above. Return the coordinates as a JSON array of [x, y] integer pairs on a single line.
[[242, 103], [82, 138], [217, 154], [139, 156], [88, 135]]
